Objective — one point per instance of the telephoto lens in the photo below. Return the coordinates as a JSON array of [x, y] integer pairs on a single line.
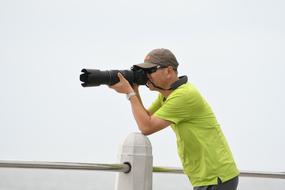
[[94, 77]]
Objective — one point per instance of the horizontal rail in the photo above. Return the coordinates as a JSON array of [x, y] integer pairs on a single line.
[[243, 173], [168, 170], [118, 168], [65, 166], [277, 175]]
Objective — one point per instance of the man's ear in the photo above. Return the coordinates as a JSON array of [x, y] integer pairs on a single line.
[[170, 69]]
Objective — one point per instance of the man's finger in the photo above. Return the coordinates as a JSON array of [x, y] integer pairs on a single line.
[[121, 77]]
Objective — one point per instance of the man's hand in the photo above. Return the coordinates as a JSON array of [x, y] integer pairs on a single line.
[[123, 86], [147, 123]]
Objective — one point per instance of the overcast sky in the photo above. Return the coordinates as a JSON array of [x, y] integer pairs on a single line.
[[233, 51]]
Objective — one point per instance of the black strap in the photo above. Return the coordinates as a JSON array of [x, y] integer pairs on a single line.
[[182, 80]]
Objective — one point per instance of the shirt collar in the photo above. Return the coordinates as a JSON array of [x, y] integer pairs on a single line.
[[182, 80]]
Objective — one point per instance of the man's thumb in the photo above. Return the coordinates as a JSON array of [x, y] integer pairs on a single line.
[[120, 76]]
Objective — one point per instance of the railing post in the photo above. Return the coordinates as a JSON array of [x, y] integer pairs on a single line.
[[136, 150]]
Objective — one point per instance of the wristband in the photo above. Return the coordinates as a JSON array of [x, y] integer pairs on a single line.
[[131, 94]]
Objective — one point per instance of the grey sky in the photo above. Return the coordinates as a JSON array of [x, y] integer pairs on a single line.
[[233, 51]]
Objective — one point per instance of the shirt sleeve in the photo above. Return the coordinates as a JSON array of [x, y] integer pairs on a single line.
[[178, 107], [155, 105]]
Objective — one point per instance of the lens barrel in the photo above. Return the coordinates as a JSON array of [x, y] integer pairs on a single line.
[[94, 77]]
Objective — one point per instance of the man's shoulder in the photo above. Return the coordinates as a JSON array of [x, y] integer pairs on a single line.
[[186, 89]]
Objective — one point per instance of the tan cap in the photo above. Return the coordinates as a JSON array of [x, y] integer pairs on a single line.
[[162, 57]]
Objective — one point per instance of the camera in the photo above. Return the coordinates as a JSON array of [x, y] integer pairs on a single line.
[[94, 77]]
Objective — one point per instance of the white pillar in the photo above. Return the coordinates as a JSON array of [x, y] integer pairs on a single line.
[[136, 150]]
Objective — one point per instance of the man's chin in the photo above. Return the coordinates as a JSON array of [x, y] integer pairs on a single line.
[[150, 87], [153, 89]]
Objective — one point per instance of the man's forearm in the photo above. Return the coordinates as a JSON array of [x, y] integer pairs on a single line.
[[141, 115], [136, 90]]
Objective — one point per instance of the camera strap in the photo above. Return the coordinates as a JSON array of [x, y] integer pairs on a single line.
[[182, 80]]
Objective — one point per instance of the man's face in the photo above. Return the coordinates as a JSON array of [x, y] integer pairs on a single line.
[[156, 76]]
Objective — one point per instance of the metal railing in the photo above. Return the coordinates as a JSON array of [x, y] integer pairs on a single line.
[[118, 168], [65, 166], [243, 173]]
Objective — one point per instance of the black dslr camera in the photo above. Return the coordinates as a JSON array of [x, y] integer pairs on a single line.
[[94, 77]]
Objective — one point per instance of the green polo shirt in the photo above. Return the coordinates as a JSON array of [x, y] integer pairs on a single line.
[[202, 147]]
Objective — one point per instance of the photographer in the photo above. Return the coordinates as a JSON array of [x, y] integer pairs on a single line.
[[202, 147]]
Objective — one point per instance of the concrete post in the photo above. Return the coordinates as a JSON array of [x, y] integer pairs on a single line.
[[136, 150]]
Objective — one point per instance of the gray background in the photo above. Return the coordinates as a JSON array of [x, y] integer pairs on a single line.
[[233, 51]]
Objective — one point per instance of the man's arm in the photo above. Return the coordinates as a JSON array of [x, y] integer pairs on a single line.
[[146, 122], [136, 90]]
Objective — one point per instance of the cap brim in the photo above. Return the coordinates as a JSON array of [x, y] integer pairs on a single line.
[[146, 65]]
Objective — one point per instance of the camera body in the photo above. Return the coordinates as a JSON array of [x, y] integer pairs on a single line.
[[94, 77]]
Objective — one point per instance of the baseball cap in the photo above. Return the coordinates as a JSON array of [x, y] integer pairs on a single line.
[[162, 57]]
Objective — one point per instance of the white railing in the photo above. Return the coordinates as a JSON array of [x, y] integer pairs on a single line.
[[65, 166], [126, 168], [135, 169]]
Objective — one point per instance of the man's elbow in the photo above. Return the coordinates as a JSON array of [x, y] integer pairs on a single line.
[[146, 132]]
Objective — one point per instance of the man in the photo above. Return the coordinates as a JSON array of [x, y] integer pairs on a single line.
[[202, 148]]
